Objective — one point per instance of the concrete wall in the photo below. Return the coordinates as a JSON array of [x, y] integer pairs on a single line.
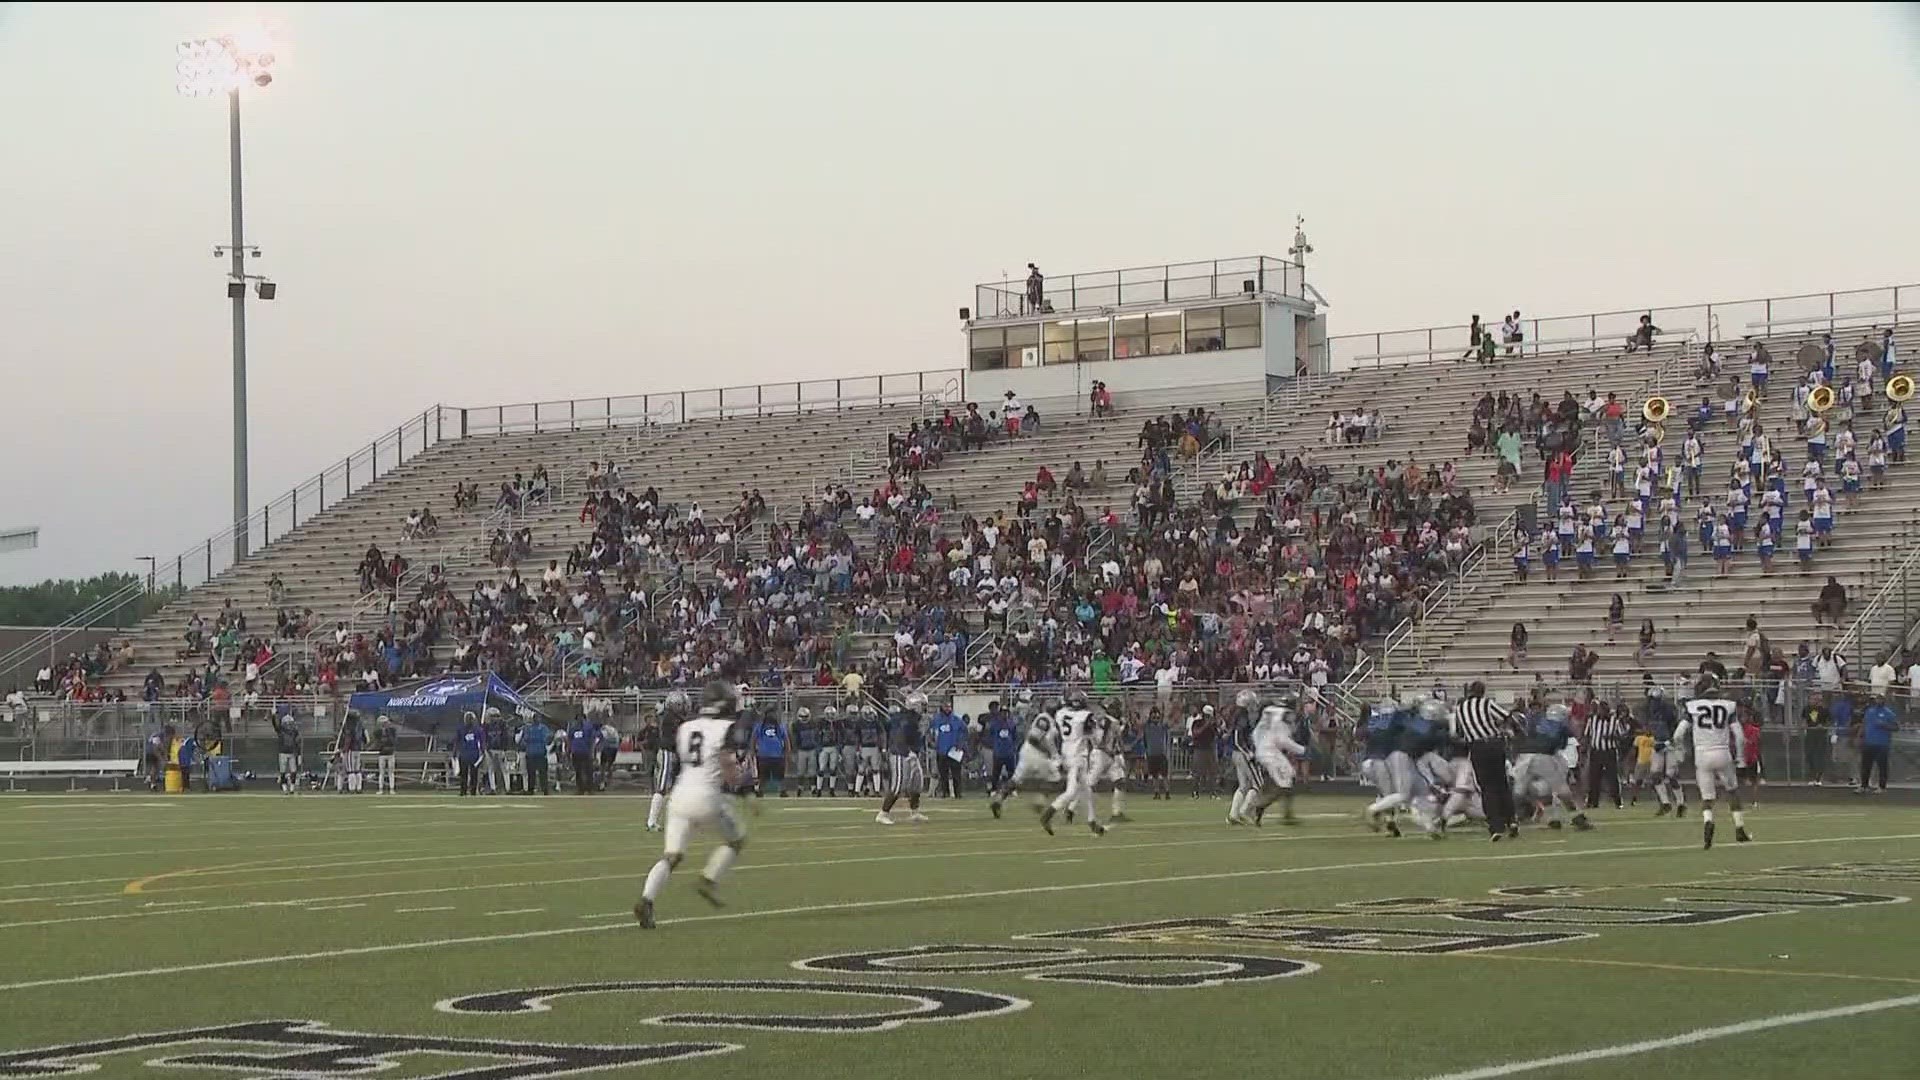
[[1063, 388]]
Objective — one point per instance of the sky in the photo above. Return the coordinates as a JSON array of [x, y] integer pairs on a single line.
[[475, 204]]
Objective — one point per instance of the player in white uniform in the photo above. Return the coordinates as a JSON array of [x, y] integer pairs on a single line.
[[1274, 749], [709, 769], [1039, 763], [1109, 756], [1077, 734], [1712, 724]]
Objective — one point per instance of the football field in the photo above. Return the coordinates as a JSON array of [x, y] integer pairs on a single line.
[[427, 936]]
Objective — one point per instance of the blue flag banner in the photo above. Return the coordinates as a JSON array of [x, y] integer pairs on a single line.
[[424, 700]]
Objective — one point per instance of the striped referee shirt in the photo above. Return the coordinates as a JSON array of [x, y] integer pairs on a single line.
[[1477, 720], [1606, 733]]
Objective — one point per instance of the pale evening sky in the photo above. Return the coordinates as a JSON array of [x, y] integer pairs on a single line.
[[472, 204]]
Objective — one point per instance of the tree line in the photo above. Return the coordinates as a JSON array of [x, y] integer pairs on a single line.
[[52, 602]]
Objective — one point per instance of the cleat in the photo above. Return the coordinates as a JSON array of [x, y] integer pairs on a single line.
[[1663, 811], [995, 807], [709, 891], [1046, 820], [1741, 835], [1495, 837], [644, 912], [1393, 829], [1069, 815], [883, 818], [1554, 824], [1513, 832], [917, 818], [1707, 833], [1680, 811], [1581, 824], [1098, 829], [1259, 814]]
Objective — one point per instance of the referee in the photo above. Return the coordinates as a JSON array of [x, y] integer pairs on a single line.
[[1606, 733], [1483, 725]]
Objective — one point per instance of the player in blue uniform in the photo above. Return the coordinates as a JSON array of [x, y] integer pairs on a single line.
[[1003, 739], [873, 735], [905, 775], [1542, 769], [1381, 734]]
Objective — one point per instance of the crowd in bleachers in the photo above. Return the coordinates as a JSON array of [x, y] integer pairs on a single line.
[[1268, 568]]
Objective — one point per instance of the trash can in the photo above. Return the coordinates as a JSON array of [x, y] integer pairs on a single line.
[[176, 782]]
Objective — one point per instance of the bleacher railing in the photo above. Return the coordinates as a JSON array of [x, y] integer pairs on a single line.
[[1884, 627], [1406, 644], [920, 388], [1809, 313], [1165, 284]]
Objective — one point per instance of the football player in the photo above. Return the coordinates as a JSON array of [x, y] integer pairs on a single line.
[[1039, 762], [673, 712], [706, 751], [1075, 722], [1712, 726], [1542, 769], [1274, 749]]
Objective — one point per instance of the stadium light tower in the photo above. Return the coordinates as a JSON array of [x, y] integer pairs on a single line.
[[227, 63]]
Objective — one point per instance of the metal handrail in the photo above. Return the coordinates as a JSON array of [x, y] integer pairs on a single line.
[[1440, 339], [79, 621], [1898, 582], [1495, 544]]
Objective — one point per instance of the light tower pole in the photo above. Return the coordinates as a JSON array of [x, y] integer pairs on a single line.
[[209, 66]]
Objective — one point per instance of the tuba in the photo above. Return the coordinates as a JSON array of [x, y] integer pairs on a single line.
[[1821, 399], [1656, 410], [1900, 387]]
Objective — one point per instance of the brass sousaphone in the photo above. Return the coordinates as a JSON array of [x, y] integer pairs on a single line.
[[1656, 410], [1821, 399], [1900, 387]]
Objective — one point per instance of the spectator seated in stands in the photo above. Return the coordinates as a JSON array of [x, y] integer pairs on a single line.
[[539, 488], [1076, 479], [1100, 400], [410, 525], [510, 495], [1831, 606], [1642, 338]]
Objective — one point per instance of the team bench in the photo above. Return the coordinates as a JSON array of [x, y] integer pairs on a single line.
[[115, 769]]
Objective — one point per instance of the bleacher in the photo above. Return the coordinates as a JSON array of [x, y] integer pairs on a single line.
[[1423, 399], [1702, 610]]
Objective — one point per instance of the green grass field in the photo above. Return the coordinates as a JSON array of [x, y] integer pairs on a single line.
[[1321, 949]]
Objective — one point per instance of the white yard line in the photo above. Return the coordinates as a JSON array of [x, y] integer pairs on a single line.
[[412, 910], [1243, 837], [329, 907], [1063, 862], [609, 915], [1686, 1038], [902, 901], [519, 911], [90, 903]]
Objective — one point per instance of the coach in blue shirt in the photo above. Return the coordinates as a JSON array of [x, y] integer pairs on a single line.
[[1876, 741], [469, 749], [950, 744], [770, 754], [1003, 734], [583, 738], [534, 739]]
